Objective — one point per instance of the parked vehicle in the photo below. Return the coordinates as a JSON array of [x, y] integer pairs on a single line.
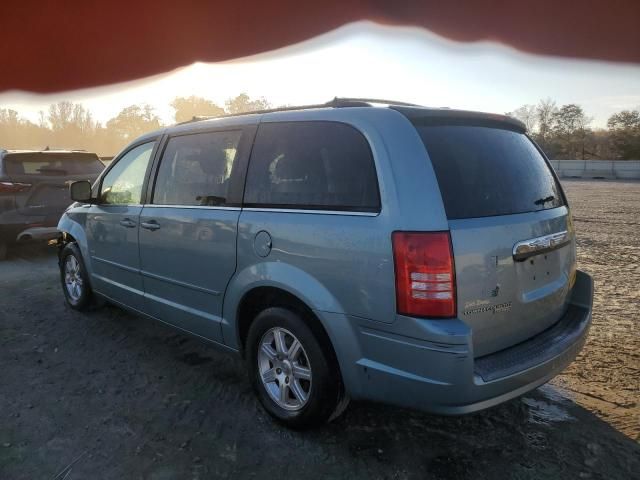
[[34, 188], [418, 257]]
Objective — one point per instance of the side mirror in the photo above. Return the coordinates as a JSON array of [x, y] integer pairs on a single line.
[[80, 191]]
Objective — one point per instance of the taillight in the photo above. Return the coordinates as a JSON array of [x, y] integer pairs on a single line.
[[425, 277], [10, 187]]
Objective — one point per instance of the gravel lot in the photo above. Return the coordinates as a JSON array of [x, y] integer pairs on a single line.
[[110, 395]]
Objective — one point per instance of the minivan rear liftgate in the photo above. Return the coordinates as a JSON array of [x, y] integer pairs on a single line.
[[510, 226]]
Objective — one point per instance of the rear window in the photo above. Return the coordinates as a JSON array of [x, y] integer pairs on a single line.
[[485, 171], [312, 165], [52, 164]]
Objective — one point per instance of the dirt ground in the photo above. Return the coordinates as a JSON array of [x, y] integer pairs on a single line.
[[109, 395]]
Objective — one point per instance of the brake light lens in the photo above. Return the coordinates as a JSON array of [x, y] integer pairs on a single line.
[[425, 276], [10, 187]]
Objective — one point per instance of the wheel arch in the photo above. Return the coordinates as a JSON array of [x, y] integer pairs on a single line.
[[271, 281], [260, 298], [72, 231]]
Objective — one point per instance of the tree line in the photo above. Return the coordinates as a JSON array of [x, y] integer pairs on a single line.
[[71, 125], [564, 132]]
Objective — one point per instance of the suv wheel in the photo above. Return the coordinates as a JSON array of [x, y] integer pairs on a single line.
[[74, 278], [293, 374], [3, 251]]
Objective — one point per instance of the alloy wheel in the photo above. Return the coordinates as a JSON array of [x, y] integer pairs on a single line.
[[284, 369], [72, 278]]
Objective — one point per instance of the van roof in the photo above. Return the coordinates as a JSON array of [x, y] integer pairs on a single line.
[[410, 110]]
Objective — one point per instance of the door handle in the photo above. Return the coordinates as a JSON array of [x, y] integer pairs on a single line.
[[150, 225], [128, 223]]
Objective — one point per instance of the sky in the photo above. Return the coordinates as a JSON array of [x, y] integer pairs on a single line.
[[369, 60]]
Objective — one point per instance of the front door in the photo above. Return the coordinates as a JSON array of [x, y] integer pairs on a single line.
[[188, 230], [113, 225]]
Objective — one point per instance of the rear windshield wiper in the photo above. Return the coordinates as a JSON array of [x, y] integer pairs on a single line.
[[52, 170], [542, 201]]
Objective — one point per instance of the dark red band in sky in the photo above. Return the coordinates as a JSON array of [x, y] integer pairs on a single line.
[[55, 45]]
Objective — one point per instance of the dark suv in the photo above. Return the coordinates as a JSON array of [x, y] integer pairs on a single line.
[[34, 191]]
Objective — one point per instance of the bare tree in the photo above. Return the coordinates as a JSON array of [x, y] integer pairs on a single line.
[[42, 119], [16, 132], [545, 111], [528, 115], [71, 124]]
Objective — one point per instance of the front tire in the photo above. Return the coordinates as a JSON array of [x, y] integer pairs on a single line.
[[74, 278], [295, 377]]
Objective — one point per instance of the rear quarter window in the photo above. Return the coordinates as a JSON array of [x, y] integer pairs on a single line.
[[487, 171], [196, 169], [312, 165]]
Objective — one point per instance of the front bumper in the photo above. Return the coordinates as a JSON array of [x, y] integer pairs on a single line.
[[430, 364]]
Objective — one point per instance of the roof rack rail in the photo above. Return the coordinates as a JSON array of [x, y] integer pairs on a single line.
[[199, 118], [336, 102], [348, 102]]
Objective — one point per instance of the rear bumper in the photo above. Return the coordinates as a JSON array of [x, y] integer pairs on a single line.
[[23, 233], [17, 227], [37, 233], [430, 364], [9, 233]]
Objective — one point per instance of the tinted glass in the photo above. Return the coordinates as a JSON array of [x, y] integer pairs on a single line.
[[195, 169], [312, 165], [45, 163], [122, 185], [486, 171]]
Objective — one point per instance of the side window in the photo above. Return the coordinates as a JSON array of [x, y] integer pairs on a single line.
[[312, 165], [195, 169], [122, 185]]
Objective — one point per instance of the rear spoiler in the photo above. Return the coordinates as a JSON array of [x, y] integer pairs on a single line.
[[446, 116]]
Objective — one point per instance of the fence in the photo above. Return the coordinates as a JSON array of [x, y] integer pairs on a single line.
[[608, 169]]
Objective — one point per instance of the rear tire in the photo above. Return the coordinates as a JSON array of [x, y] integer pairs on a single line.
[[296, 378], [3, 251], [74, 278]]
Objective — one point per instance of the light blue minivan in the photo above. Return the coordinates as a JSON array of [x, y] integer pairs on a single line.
[[359, 249]]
